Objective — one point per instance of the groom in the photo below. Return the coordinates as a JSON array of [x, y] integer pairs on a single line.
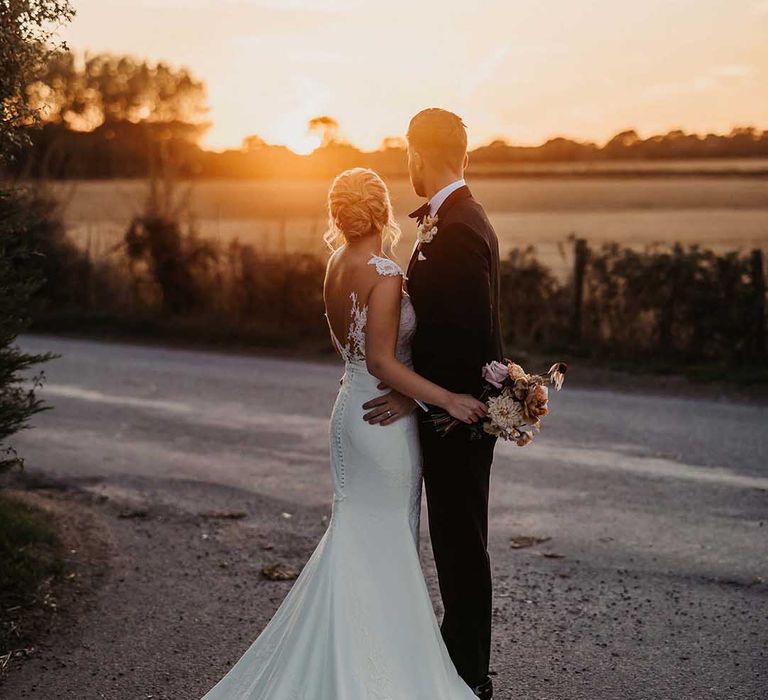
[[453, 282]]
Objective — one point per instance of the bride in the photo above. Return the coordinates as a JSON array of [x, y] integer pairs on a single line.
[[359, 624]]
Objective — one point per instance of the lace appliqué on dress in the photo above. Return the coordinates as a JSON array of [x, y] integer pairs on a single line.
[[384, 266], [354, 350]]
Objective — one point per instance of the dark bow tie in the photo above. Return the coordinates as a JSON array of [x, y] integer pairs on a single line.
[[421, 213]]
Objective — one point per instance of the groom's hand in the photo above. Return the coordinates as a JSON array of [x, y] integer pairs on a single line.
[[388, 408]]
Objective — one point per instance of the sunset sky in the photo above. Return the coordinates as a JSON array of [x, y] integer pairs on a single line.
[[524, 70]]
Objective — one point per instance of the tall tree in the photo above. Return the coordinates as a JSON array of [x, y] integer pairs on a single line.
[[84, 92], [27, 31]]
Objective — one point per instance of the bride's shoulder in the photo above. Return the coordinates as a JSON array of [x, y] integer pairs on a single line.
[[362, 273], [334, 257], [385, 267]]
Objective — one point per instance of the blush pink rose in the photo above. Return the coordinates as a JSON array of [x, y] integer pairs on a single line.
[[495, 373]]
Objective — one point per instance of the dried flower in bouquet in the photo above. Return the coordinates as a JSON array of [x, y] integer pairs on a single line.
[[516, 402]]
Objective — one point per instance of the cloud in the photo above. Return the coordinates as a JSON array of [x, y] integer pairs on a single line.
[[297, 11], [733, 71], [716, 77], [322, 5], [260, 46], [331, 6], [704, 83], [483, 72]]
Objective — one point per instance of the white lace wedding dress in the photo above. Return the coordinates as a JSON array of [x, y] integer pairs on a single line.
[[358, 623]]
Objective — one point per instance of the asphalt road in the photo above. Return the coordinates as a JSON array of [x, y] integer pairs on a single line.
[[654, 583]]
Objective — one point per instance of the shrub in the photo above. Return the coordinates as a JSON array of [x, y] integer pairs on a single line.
[[20, 278], [685, 304], [533, 302]]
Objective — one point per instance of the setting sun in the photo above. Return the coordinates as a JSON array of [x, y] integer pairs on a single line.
[[293, 131]]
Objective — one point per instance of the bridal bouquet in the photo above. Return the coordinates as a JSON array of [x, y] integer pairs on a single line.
[[516, 401]]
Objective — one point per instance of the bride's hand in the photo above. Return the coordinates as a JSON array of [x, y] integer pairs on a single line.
[[466, 408]]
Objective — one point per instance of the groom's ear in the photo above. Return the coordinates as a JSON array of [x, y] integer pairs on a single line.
[[466, 161]]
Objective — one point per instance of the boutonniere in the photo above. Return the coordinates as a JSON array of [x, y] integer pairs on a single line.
[[427, 229]]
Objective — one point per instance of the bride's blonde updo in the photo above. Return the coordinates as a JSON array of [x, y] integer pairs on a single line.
[[359, 206]]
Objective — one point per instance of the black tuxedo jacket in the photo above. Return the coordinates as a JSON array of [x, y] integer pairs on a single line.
[[453, 282]]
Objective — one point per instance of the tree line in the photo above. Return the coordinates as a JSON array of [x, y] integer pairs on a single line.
[[106, 116]]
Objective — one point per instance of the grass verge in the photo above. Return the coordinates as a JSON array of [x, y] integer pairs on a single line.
[[30, 561]]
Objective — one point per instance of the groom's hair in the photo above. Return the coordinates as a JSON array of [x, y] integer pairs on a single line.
[[439, 135]]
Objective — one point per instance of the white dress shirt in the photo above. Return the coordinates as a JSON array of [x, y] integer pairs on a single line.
[[437, 201]]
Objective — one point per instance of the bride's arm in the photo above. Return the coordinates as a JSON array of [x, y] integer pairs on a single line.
[[381, 340]]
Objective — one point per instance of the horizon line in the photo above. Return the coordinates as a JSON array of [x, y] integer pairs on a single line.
[[586, 141]]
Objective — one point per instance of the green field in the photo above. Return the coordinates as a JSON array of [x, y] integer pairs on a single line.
[[721, 212]]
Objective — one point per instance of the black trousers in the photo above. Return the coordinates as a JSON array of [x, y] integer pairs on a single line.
[[457, 477]]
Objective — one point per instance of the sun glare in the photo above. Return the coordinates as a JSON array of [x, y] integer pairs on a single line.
[[303, 144], [293, 131], [292, 135]]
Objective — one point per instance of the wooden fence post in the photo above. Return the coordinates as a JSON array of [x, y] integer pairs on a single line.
[[581, 253], [758, 285]]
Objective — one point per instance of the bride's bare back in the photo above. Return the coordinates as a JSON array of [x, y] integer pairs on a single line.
[[350, 277]]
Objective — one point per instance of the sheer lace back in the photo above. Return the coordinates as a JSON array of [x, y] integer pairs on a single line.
[[353, 351]]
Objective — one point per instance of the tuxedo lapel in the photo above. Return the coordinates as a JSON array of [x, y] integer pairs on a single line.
[[414, 255], [456, 196]]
